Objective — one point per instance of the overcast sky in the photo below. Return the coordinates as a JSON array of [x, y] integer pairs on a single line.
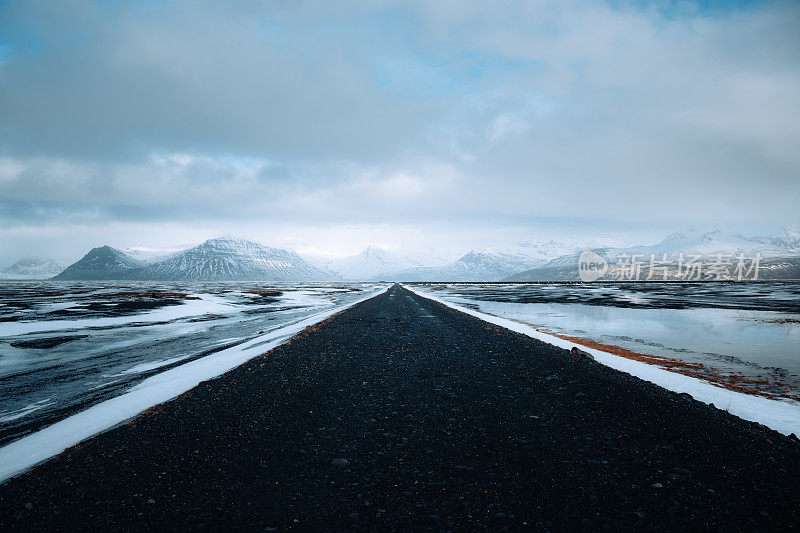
[[324, 126]]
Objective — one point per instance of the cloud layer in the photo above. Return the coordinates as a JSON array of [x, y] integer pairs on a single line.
[[298, 122]]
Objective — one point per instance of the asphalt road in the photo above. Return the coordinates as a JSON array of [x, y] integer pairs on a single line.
[[403, 414]]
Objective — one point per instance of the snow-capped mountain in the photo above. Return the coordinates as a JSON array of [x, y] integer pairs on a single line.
[[373, 262], [778, 253], [229, 259], [222, 259], [706, 243], [103, 263], [150, 255], [31, 268], [488, 265], [789, 239], [540, 252], [226, 259]]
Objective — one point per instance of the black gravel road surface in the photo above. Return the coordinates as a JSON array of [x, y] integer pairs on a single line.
[[403, 414]]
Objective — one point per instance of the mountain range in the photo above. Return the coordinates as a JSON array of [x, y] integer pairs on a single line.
[[487, 265], [230, 259], [221, 259], [372, 263], [31, 268], [780, 254]]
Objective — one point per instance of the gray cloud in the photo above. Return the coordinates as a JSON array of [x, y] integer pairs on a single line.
[[431, 117]]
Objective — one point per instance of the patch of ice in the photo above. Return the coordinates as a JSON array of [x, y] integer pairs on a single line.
[[152, 365], [207, 304], [9, 416], [106, 383], [306, 298]]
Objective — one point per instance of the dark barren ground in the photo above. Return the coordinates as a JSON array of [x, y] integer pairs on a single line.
[[403, 414]]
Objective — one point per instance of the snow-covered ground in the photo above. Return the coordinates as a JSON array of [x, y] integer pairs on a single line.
[[200, 304], [783, 416], [23, 453], [27, 451], [67, 346]]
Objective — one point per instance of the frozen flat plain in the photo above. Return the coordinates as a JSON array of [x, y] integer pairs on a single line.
[[65, 347]]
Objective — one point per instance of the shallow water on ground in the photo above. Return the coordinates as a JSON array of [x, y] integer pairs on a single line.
[[67, 346], [750, 329]]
